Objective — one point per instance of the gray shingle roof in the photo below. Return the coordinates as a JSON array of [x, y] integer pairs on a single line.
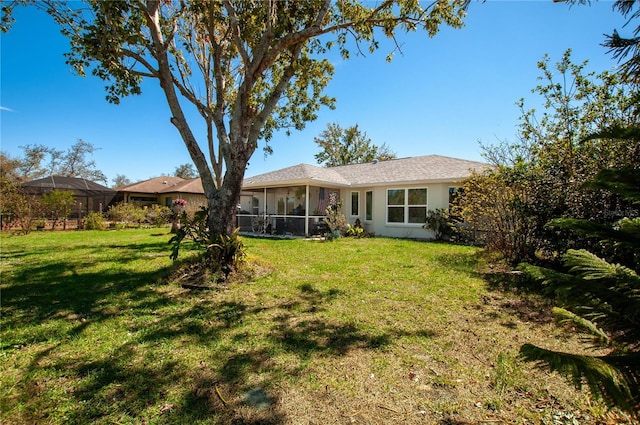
[[428, 168], [300, 173]]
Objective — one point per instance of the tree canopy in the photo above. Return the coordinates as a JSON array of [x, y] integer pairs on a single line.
[[248, 68], [185, 171], [120, 180], [340, 146], [40, 161]]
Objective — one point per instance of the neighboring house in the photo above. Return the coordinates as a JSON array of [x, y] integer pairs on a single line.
[[163, 190], [390, 198], [90, 196]]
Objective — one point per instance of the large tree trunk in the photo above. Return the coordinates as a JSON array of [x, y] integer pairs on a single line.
[[222, 211], [223, 205]]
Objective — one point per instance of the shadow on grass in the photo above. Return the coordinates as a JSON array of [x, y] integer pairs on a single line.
[[525, 299], [152, 376], [52, 291]]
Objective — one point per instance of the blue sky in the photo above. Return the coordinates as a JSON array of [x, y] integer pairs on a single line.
[[441, 96]]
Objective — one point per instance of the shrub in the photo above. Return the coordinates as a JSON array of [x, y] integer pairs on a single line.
[[158, 215], [335, 219], [19, 209], [222, 253], [354, 231], [94, 221], [495, 210], [57, 205], [439, 222], [126, 213]]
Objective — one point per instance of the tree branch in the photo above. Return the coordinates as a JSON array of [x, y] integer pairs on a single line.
[[235, 31], [153, 72], [167, 81]]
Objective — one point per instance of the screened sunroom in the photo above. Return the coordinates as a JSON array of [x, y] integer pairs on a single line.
[[288, 210]]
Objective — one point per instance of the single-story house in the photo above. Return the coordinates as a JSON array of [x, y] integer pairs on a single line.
[[163, 190], [89, 195], [389, 198]]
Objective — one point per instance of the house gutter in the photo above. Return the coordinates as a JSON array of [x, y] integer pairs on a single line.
[[408, 182], [296, 182]]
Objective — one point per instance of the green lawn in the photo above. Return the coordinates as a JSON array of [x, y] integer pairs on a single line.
[[352, 331]]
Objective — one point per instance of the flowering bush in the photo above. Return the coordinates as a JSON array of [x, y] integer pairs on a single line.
[[179, 202]]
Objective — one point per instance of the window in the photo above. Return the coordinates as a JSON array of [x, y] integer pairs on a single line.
[[395, 205], [281, 206], [355, 203], [407, 205], [454, 192], [368, 205], [285, 205], [143, 200]]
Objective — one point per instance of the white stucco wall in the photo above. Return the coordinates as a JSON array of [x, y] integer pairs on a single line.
[[437, 197]]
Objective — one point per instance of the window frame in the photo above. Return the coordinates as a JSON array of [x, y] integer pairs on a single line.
[[368, 206], [406, 206], [357, 209]]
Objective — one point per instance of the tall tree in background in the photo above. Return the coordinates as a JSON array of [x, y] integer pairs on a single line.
[[120, 180], [41, 161], [75, 162], [185, 171], [340, 146], [248, 68]]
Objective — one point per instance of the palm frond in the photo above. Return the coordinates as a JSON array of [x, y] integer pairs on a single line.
[[591, 267], [562, 285], [630, 227], [622, 181], [566, 316], [613, 379], [625, 232], [545, 275], [586, 228]]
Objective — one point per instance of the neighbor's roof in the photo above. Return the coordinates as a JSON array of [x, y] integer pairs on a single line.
[[186, 186], [428, 168], [154, 185], [67, 183]]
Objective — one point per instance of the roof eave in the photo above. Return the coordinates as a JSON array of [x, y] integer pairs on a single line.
[[409, 182], [292, 182]]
